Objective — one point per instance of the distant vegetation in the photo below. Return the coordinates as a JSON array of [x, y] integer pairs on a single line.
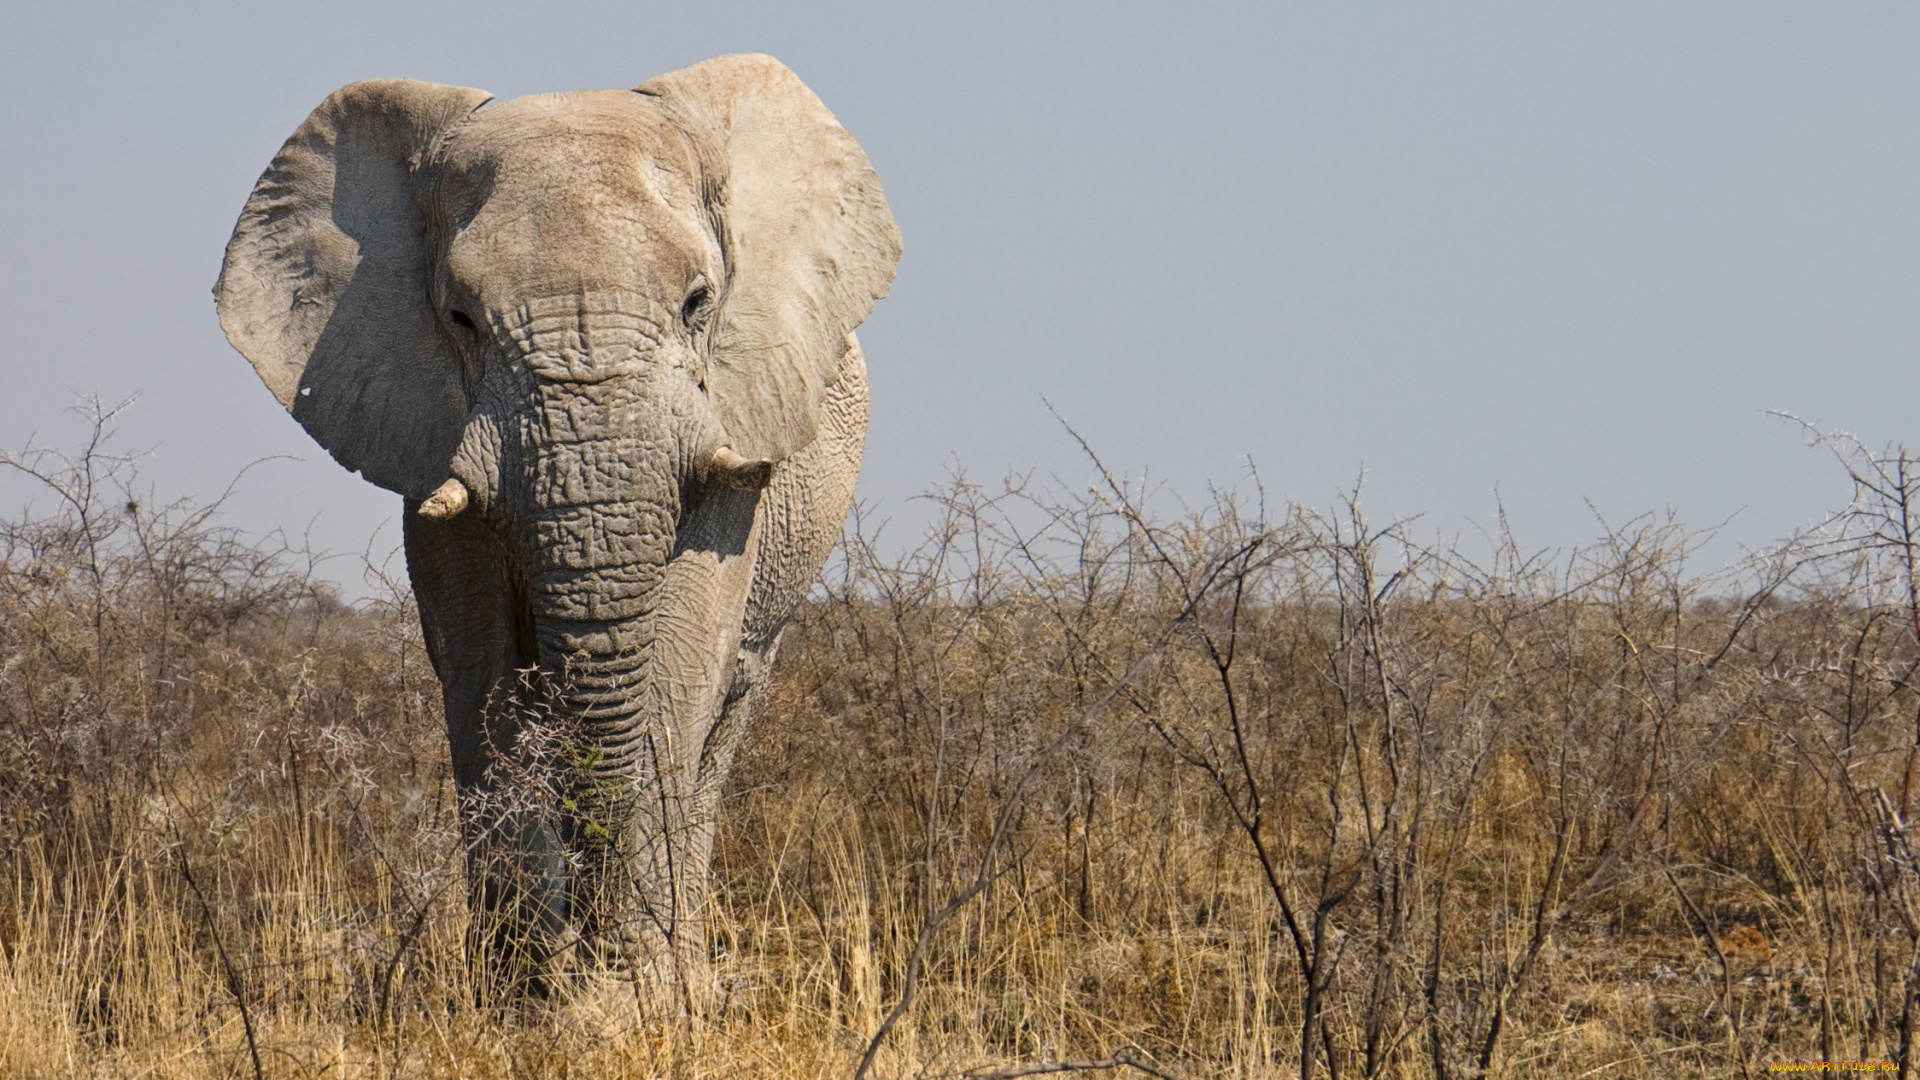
[[1200, 793]]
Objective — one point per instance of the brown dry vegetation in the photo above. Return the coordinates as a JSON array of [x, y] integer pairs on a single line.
[[1223, 789]]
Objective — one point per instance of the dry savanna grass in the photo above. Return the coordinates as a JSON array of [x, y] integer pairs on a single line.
[[1233, 791]]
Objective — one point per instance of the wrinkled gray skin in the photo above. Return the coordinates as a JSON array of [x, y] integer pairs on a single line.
[[621, 322]]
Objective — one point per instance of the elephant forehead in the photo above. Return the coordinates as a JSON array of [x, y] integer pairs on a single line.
[[586, 147], [563, 191]]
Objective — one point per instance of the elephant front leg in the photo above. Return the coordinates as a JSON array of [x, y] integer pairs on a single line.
[[480, 643], [801, 513]]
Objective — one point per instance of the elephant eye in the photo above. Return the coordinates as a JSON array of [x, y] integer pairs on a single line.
[[694, 310], [461, 319]]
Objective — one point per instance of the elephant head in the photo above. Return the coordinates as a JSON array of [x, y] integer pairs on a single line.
[[578, 332]]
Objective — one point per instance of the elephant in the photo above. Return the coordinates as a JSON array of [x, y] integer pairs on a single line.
[[602, 345]]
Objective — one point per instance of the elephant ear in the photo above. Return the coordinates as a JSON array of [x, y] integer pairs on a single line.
[[809, 242], [325, 284]]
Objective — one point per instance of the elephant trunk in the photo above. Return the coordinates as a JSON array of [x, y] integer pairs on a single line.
[[604, 512], [597, 485]]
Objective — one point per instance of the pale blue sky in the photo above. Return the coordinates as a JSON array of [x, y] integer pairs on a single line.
[[1568, 251]]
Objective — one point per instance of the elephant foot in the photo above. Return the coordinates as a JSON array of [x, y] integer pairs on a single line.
[[598, 1006], [606, 1003], [666, 978]]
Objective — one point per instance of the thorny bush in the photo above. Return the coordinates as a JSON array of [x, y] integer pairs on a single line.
[[1235, 790]]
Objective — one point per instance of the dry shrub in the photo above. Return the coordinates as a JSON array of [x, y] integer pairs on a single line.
[[1221, 791]]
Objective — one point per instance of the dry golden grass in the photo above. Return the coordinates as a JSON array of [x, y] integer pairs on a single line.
[[1262, 787]]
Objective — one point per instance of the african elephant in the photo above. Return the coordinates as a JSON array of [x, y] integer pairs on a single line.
[[602, 344]]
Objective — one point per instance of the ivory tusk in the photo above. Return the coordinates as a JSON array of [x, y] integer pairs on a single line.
[[729, 468], [446, 501]]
